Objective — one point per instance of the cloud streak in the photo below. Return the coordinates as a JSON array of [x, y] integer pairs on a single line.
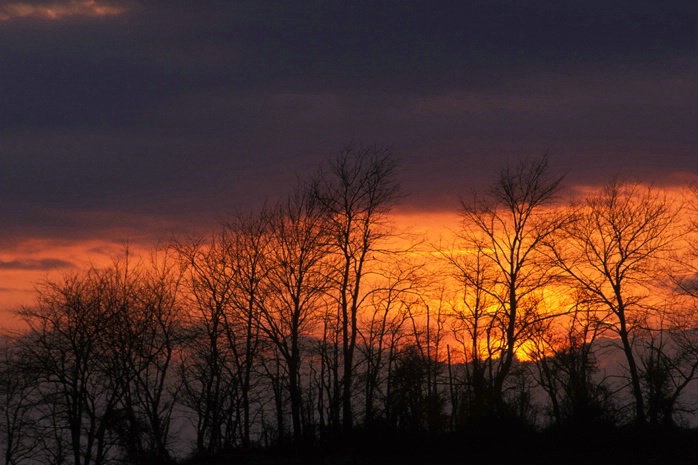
[[58, 10], [43, 264]]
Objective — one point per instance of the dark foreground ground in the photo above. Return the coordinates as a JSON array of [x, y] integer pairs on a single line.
[[630, 445]]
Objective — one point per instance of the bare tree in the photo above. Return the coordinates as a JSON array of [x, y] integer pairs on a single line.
[[150, 318], [385, 317], [668, 361], [101, 344], [225, 277], [427, 315], [476, 327], [505, 228], [328, 379], [249, 239], [208, 385], [298, 276], [67, 347], [355, 191], [616, 249], [564, 353], [18, 393]]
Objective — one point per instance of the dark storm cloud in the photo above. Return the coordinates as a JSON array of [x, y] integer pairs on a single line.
[[181, 110], [107, 71]]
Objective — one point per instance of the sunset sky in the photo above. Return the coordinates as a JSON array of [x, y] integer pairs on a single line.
[[134, 119]]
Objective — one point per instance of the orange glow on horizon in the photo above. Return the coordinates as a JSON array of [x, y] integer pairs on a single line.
[[34, 261], [431, 223], [429, 233], [58, 10]]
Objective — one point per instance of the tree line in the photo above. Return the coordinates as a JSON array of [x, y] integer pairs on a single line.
[[312, 321]]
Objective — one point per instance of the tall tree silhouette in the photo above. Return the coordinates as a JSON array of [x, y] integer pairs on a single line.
[[297, 281], [151, 319], [18, 394], [69, 348], [382, 326], [208, 384], [616, 249], [249, 240], [356, 191], [504, 227], [224, 277]]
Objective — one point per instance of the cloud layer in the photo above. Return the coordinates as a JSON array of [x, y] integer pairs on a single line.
[[136, 118]]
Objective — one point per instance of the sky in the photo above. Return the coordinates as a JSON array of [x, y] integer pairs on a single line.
[[132, 120]]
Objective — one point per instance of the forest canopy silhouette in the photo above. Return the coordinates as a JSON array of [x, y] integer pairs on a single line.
[[312, 329]]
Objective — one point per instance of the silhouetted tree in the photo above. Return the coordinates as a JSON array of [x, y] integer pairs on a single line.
[[101, 345], [146, 333], [382, 328], [415, 406], [477, 330], [225, 277], [615, 250], [249, 238], [356, 192], [427, 319], [328, 378], [298, 278], [504, 229], [66, 345], [668, 363], [18, 393], [566, 367], [208, 382]]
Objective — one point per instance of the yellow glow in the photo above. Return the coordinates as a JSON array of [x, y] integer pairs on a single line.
[[524, 351], [58, 10], [433, 231]]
